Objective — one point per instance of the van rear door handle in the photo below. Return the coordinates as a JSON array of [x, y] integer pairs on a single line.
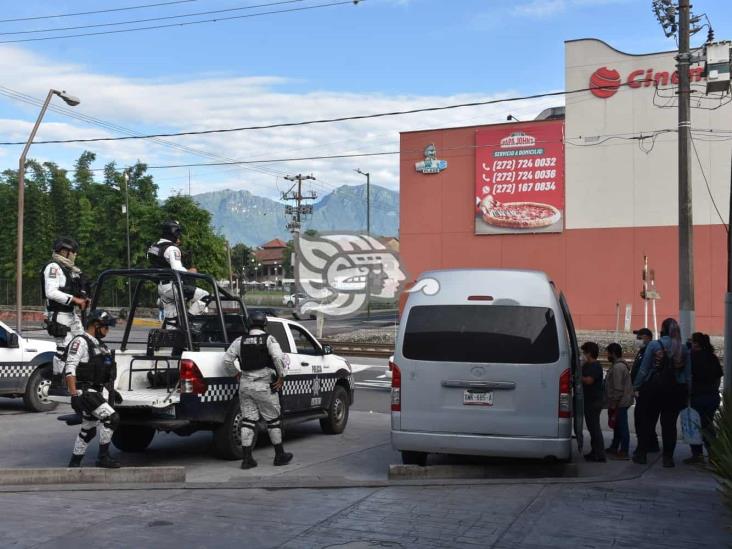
[[304, 364], [460, 384]]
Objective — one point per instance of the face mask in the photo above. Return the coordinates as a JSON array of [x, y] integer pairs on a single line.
[[71, 257], [99, 334]]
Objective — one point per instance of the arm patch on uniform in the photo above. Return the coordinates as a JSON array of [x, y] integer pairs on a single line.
[[52, 272], [176, 254], [74, 348]]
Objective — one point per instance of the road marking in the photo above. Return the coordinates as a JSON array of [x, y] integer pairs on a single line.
[[361, 367]]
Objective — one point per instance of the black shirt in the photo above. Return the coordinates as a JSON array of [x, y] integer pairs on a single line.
[[593, 393], [706, 372]]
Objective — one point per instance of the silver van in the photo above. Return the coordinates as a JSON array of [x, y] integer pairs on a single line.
[[486, 363]]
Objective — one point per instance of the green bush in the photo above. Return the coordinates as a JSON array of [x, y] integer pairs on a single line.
[[721, 460]]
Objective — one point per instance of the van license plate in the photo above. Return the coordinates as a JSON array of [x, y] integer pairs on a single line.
[[475, 397]]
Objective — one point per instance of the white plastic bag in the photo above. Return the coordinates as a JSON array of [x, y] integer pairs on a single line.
[[691, 426]]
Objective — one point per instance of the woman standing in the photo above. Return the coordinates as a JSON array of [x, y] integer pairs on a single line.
[[663, 379], [706, 371]]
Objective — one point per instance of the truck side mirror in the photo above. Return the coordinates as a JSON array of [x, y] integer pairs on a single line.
[[327, 350], [13, 341]]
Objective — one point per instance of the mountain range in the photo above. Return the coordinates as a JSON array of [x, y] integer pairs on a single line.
[[253, 220]]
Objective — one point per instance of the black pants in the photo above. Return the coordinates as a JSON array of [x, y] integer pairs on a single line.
[[592, 420], [666, 406], [641, 414]]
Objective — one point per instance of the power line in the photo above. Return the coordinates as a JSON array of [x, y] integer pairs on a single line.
[[183, 23], [706, 183], [162, 18], [35, 18], [318, 121]]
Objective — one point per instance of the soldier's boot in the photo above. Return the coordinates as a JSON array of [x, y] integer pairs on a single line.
[[75, 460], [105, 460], [281, 457], [247, 461]]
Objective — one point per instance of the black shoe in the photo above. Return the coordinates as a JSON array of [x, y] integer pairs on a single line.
[[640, 459], [668, 461], [107, 462], [654, 448], [591, 457], [281, 457], [75, 461], [247, 461], [611, 450]]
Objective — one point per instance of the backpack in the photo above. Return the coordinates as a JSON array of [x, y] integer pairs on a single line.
[[663, 375]]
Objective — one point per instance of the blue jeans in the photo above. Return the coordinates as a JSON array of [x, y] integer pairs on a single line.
[[621, 433]]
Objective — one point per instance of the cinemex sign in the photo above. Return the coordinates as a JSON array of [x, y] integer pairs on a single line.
[[605, 82]]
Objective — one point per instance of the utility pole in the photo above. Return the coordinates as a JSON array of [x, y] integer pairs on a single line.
[[728, 300], [126, 177], [686, 224], [368, 231], [296, 212], [231, 275]]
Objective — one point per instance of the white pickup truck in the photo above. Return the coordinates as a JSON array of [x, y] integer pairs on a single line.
[[175, 381], [25, 369]]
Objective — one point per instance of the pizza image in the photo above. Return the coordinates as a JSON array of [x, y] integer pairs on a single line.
[[518, 215]]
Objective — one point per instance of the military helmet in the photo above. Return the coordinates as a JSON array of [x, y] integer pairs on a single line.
[[257, 319], [101, 317], [171, 230], [66, 243]]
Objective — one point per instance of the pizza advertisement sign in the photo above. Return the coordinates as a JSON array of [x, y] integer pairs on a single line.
[[519, 186]]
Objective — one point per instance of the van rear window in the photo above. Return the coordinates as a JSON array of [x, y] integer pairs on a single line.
[[481, 333]]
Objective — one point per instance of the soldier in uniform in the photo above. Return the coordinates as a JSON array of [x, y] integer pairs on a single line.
[[62, 287], [166, 254], [260, 360], [89, 368]]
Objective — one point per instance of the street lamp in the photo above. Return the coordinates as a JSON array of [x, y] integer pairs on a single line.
[[72, 102], [368, 231], [127, 213]]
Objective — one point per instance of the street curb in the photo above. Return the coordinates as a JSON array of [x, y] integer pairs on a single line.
[[91, 475], [414, 472]]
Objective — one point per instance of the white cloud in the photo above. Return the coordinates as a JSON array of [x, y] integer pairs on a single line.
[[221, 101]]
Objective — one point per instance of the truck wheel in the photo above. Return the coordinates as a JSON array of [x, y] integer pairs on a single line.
[[35, 398], [227, 436], [132, 438], [414, 458], [337, 418]]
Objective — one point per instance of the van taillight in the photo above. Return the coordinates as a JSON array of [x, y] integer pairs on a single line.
[[396, 388], [565, 400], [191, 379]]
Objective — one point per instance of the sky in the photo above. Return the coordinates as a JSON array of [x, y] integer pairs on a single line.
[[339, 60]]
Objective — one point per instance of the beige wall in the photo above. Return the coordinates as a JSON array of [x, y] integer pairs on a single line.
[[615, 183]]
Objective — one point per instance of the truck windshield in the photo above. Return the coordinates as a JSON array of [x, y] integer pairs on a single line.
[[504, 334]]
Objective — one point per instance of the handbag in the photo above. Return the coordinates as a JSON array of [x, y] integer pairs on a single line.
[[691, 426]]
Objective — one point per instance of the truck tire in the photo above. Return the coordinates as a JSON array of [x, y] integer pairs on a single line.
[[35, 398], [337, 418], [414, 458], [227, 436], [132, 438]]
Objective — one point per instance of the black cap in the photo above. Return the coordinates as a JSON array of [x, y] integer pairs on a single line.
[[642, 332]]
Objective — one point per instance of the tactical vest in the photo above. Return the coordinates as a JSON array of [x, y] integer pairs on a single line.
[[73, 286], [253, 353], [99, 370], [156, 255]]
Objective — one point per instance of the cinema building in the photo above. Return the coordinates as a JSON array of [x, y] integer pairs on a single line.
[[584, 197]]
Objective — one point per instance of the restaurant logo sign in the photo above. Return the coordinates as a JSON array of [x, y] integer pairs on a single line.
[[430, 164]]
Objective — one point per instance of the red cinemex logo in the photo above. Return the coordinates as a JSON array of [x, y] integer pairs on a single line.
[[604, 82]]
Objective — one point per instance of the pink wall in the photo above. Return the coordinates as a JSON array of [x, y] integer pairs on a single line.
[[596, 268]]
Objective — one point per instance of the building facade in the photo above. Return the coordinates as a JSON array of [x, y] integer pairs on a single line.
[[584, 199]]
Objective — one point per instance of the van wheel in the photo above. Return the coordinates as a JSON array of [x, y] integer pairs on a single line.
[[35, 398], [132, 438], [414, 458], [337, 418], [227, 436]]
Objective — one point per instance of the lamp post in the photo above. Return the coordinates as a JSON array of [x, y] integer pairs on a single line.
[[72, 102], [368, 231], [127, 213]]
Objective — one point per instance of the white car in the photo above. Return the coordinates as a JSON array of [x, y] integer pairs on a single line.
[[26, 366], [290, 300]]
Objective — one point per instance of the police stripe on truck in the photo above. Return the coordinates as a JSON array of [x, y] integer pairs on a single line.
[[16, 370]]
